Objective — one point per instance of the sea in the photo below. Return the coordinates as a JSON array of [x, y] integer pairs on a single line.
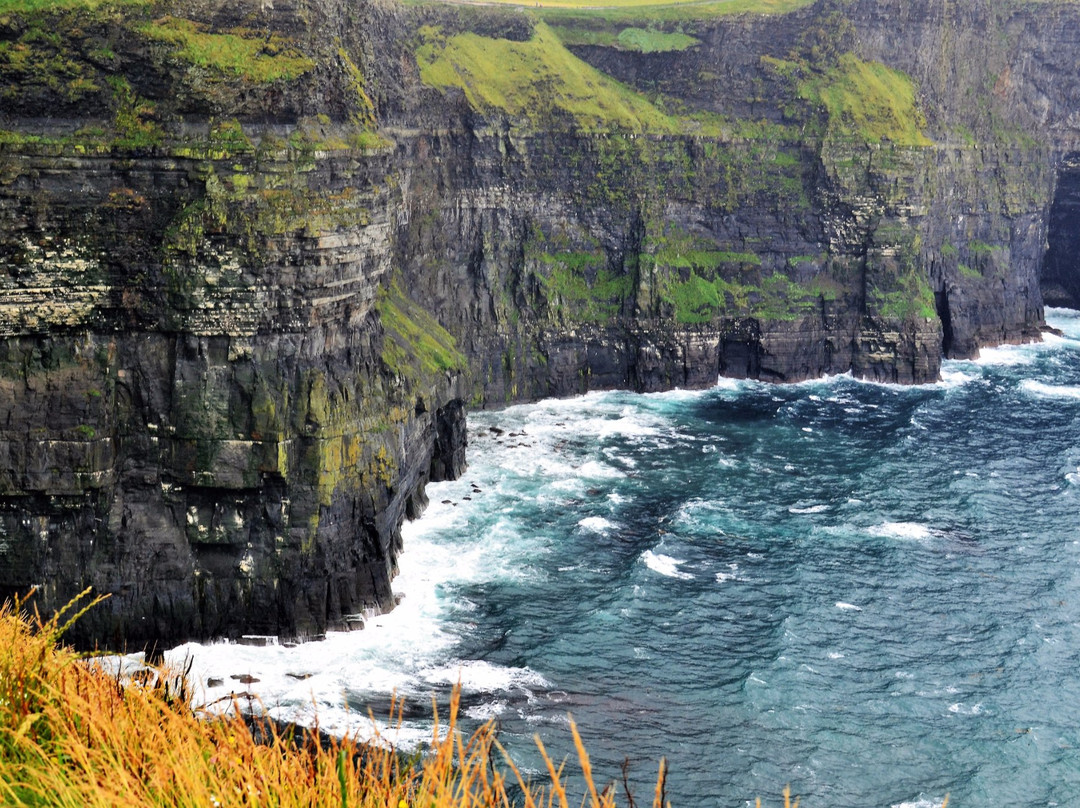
[[869, 592]]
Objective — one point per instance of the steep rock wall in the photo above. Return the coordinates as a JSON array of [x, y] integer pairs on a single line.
[[205, 412]]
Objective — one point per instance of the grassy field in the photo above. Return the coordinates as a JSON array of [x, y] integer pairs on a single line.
[[536, 79], [46, 5], [710, 7]]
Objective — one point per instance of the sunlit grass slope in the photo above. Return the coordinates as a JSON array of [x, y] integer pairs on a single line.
[[45, 5], [653, 9], [71, 735], [538, 79], [868, 100]]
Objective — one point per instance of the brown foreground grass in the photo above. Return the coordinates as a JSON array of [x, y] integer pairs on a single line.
[[73, 735]]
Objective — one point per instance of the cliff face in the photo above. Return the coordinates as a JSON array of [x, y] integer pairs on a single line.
[[202, 411], [258, 258]]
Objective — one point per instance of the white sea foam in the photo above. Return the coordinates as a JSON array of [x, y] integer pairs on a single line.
[[599, 471], [408, 651], [961, 709], [480, 676], [1041, 390], [725, 383], [808, 509], [665, 565], [902, 530], [597, 524], [1065, 320], [486, 712], [953, 375], [733, 575], [921, 802], [1009, 355]]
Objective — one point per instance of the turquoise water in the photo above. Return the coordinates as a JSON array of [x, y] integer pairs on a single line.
[[869, 592]]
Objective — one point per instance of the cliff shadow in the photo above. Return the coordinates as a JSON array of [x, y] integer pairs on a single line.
[[1059, 279]]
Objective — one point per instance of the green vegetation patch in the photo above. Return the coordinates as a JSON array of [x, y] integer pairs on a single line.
[[698, 299], [133, 118], [34, 6], [538, 80], [40, 58], [695, 282], [581, 288], [364, 114], [241, 52], [913, 299], [414, 340], [675, 248], [648, 11], [866, 101]]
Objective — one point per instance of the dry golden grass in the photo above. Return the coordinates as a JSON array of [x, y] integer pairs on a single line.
[[73, 735]]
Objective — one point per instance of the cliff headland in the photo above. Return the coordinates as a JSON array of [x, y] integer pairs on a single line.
[[258, 258]]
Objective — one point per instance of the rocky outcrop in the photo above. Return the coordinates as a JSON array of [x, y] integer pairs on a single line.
[[258, 259]]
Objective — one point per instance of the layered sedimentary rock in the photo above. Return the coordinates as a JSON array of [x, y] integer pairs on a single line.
[[258, 259]]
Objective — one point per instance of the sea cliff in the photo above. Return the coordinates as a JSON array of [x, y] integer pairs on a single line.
[[258, 258]]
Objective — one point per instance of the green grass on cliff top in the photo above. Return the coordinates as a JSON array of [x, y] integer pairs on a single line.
[[244, 53], [651, 9], [867, 101], [537, 80], [31, 6]]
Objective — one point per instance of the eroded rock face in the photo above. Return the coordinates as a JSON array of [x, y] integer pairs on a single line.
[[202, 423], [245, 306]]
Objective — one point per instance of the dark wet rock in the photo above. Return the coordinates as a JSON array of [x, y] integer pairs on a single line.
[[354, 622], [260, 640]]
